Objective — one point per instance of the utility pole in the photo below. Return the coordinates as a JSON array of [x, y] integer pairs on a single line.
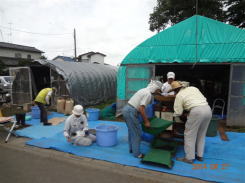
[[1, 34], [1, 11], [10, 32], [75, 45]]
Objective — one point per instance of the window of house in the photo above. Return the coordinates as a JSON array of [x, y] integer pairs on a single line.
[[17, 55], [29, 57]]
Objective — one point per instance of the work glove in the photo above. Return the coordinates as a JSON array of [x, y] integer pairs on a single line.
[[86, 133]]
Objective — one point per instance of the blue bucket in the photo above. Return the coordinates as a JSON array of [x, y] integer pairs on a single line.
[[149, 112], [106, 135], [93, 114], [28, 118], [147, 137], [35, 112]]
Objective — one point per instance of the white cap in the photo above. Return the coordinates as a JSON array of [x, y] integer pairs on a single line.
[[170, 75], [77, 110]]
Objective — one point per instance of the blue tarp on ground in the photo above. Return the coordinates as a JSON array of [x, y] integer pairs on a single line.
[[224, 161], [37, 121], [38, 131]]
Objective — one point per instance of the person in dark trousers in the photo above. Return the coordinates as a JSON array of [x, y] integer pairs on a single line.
[[20, 116], [43, 99], [137, 104]]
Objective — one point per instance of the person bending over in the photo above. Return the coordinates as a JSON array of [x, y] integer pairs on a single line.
[[137, 104]]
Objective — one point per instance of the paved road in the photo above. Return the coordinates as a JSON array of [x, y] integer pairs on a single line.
[[26, 164]]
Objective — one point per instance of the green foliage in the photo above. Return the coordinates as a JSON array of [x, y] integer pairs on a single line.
[[103, 105], [43, 57], [236, 12], [24, 62], [170, 12]]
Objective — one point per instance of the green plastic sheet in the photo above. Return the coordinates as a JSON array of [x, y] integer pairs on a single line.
[[158, 125], [108, 113], [170, 146], [196, 39], [158, 156], [121, 82]]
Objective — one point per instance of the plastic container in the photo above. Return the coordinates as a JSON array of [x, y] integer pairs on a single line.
[[28, 118], [149, 112], [147, 137], [106, 135], [219, 116], [93, 114], [212, 128], [35, 112]]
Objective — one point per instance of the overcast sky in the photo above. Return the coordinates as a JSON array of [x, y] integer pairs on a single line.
[[112, 27]]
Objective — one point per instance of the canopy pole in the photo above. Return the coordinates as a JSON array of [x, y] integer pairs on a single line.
[[196, 36], [75, 45], [196, 7]]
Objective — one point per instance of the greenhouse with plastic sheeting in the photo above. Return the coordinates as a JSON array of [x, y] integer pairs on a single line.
[[86, 84], [204, 52]]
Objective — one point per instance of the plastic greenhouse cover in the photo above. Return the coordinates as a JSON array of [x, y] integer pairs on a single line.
[[121, 85], [196, 39], [88, 84]]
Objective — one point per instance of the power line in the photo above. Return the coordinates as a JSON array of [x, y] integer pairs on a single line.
[[53, 51], [62, 50], [28, 32]]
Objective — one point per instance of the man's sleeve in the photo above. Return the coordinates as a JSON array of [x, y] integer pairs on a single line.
[[163, 87], [178, 106], [47, 98], [85, 123], [164, 93], [146, 99], [67, 128]]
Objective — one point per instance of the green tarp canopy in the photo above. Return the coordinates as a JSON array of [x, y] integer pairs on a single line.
[[196, 39]]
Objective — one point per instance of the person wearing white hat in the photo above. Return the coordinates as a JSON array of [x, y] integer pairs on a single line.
[[76, 128], [192, 100], [137, 104], [167, 85]]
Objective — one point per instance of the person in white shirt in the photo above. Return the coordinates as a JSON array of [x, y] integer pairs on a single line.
[[192, 100], [137, 104], [167, 85], [76, 128]]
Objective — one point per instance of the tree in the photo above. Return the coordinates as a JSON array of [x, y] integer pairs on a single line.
[[169, 12], [24, 62], [235, 14], [43, 57]]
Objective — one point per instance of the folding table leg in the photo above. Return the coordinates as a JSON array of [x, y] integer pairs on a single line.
[[10, 131]]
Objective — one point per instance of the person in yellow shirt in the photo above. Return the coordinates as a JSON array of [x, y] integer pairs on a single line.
[[192, 100], [43, 99]]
